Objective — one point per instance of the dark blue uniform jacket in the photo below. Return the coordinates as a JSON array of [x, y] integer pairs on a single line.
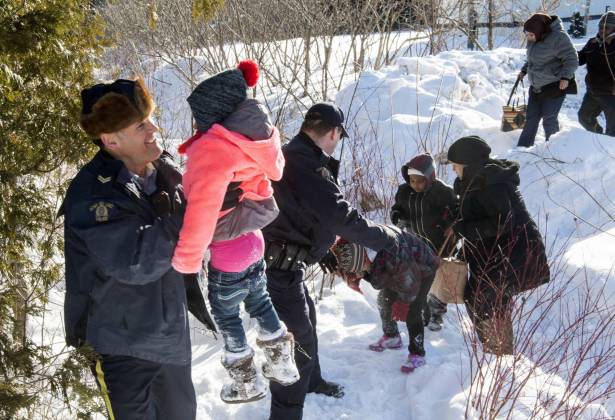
[[122, 295], [312, 207]]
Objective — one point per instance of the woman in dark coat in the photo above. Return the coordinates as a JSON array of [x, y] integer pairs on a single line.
[[501, 242]]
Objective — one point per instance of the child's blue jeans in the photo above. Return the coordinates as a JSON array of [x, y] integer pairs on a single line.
[[227, 290]]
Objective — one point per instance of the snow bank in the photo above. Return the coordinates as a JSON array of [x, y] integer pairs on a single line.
[[424, 104]]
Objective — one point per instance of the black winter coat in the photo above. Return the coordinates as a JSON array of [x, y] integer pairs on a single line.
[[312, 207], [502, 243], [427, 214], [598, 56]]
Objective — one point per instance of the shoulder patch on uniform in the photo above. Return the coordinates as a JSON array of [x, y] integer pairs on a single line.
[[103, 179], [101, 210]]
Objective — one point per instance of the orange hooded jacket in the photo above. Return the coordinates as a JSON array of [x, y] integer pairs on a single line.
[[216, 158]]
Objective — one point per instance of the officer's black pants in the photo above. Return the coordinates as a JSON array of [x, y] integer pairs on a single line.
[[296, 309], [142, 390], [594, 105]]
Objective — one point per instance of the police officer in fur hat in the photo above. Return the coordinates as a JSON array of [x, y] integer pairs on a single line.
[[122, 214]]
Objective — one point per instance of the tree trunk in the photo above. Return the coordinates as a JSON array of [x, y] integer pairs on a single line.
[[20, 310], [328, 45], [16, 280], [586, 18], [490, 24], [306, 78]]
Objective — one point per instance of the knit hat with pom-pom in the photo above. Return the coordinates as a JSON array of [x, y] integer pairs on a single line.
[[217, 97]]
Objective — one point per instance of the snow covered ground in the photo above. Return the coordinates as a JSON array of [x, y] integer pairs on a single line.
[[420, 104], [424, 104]]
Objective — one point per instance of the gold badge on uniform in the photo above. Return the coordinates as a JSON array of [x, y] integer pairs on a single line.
[[101, 211]]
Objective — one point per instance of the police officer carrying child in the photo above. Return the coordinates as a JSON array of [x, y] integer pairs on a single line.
[[122, 215]]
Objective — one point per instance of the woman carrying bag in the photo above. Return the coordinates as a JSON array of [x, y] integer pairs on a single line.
[[551, 63], [501, 243]]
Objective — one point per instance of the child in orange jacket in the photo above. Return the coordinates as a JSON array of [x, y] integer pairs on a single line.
[[235, 142]]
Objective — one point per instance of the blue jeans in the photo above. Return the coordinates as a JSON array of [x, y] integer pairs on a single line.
[[227, 290], [547, 110]]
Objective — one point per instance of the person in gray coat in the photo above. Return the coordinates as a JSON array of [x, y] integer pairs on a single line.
[[551, 63]]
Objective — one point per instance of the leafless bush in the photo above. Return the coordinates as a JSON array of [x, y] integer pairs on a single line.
[[297, 44], [564, 351]]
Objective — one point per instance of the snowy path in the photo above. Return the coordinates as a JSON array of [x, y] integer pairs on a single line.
[[375, 387]]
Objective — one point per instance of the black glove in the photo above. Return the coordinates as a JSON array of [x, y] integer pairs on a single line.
[[231, 198], [161, 203], [196, 301], [328, 263], [458, 229], [395, 216]]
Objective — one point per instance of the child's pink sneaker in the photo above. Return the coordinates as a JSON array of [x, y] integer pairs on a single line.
[[414, 361], [385, 342]]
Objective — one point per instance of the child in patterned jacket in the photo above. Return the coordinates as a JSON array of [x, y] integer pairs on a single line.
[[404, 275]]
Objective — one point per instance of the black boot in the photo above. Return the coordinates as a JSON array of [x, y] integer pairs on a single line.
[[330, 389], [435, 323]]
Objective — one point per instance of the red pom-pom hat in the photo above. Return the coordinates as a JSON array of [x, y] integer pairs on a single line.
[[250, 72]]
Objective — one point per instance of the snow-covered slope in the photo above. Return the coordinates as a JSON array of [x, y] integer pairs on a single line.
[[424, 104]]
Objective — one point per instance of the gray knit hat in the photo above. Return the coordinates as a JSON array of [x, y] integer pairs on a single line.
[[350, 257], [216, 98]]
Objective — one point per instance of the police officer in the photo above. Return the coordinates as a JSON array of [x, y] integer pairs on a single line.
[[122, 215], [599, 56], [312, 212]]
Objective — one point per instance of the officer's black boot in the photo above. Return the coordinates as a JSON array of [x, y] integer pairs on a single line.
[[330, 389]]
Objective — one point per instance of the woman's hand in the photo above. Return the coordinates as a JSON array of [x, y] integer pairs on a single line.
[[563, 84]]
